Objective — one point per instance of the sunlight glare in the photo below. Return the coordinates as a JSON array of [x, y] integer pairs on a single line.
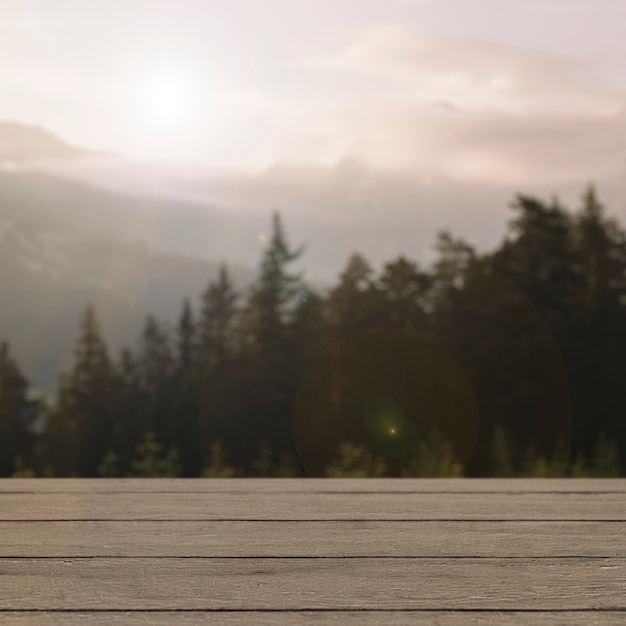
[[168, 101]]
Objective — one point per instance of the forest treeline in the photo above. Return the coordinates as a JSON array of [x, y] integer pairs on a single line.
[[507, 363]]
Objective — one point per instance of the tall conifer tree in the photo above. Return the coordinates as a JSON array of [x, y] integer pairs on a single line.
[[17, 413], [269, 349], [80, 428]]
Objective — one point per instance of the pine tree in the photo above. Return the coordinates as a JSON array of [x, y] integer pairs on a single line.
[[215, 366], [129, 423], [540, 257], [273, 298], [434, 458], [17, 414], [355, 462], [309, 329], [185, 334], [217, 466], [501, 461], [185, 394], [268, 349], [405, 290], [81, 426], [154, 461], [598, 347], [216, 326], [156, 369], [454, 260], [354, 303]]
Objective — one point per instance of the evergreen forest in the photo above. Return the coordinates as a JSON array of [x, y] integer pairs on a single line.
[[510, 362]]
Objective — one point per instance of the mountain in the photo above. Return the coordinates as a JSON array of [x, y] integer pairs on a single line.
[[63, 245], [334, 209], [20, 143], [134, 239]]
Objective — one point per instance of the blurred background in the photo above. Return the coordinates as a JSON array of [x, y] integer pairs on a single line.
[[294, 238]]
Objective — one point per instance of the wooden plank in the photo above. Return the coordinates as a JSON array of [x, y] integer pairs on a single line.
[[357, 618], [319, 539], [315, 485], [466, 571], [307, 506], [297, 584]]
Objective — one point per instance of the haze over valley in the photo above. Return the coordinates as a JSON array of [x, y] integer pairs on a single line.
[[128, 173], [133, 237]]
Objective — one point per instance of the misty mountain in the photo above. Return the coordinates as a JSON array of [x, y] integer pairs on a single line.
[[69, 208], [136, 239], [334, 209], [21, 143], [64, 245]]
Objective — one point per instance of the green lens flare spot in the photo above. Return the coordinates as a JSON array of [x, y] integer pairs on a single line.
[[382, 415], [383, 418]]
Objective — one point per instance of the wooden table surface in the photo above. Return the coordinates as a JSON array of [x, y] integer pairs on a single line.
[[374, 551]]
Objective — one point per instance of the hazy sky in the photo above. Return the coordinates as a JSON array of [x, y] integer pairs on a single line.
[[474, 89]]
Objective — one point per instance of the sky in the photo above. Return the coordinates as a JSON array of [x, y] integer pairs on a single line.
[[504, 91]]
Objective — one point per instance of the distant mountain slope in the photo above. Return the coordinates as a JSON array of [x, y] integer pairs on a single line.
[[20, 143], [64, 245], [79, 210]]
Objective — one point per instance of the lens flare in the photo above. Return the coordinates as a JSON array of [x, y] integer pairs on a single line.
[[384, 389]]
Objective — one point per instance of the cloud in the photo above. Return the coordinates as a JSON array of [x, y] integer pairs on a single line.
[[488, 147], [464, 109], [477, 74], [569, 6]]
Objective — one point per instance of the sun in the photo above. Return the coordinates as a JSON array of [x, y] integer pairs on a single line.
[[167, 101]]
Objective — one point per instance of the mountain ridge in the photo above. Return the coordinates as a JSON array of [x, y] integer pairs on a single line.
[[23, 143], [63, 246]]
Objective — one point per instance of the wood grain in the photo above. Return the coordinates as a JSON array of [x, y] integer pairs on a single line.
[[319, 539], [316, 618], [286, 552], [296, 584], [315, 485], [306, 506]]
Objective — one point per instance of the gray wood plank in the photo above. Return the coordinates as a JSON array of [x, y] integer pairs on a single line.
[[296, 584], [483, 570], [365, 618], [320, 539], [307, 506], [314, 485]]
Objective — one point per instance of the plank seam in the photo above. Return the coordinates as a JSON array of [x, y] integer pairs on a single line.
[[319, 557], [326, 493], [317, 520], [618, 609]]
